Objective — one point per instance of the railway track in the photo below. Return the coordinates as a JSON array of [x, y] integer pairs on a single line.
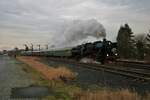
[[135, 64], [131, 72]]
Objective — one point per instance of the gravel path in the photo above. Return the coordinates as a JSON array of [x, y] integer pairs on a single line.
[[11, 76]]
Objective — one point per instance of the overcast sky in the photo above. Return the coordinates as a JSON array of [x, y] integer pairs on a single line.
[[36, 21]]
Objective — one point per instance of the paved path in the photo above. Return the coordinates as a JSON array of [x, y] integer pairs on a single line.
[[11, 76]]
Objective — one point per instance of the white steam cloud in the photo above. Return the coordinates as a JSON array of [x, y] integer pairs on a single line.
[[80, 30]]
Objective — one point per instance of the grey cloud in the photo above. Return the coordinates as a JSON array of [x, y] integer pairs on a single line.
[[48, 18]]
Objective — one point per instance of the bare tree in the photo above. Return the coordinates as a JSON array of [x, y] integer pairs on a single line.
[[26, 47], [142, 45], [148, 46], [140, 37], [148, 37]]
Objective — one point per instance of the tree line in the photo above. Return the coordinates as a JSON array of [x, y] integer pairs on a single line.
[[131, 46]]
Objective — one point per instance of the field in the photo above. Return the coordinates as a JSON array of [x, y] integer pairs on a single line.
[[56, 79]]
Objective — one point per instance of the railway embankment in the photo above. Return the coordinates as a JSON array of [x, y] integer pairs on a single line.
[[56, 77], [49, 73]]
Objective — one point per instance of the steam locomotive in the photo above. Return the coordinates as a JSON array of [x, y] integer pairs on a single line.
[[99, 51]]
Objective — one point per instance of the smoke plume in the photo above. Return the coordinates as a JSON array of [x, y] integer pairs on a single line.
[[78, 31]]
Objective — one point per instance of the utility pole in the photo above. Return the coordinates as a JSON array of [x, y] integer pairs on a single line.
[[31, 47], [39, 47], [46, 46]]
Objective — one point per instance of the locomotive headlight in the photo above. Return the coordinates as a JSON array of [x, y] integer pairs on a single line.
[[107, 55], [116, 54]]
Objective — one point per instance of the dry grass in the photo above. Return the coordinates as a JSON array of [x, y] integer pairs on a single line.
[[62, 72], [108, 95], [76, 93], [49, 73]]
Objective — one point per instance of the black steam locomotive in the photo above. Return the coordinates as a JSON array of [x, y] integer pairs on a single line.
[[99, 51]]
